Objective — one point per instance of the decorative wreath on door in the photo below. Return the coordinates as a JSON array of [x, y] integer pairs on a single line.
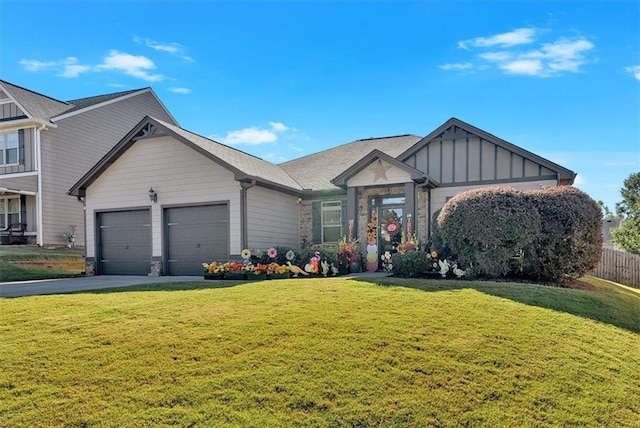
[[392, 226]]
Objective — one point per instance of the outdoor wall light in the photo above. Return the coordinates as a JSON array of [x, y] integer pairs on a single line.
[[153, 196]]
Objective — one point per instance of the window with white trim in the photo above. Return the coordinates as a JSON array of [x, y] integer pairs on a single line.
[[9, 211], [331, 221], [9, 144]]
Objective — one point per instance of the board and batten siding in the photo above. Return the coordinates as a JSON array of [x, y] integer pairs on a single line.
[[179, 175], [472, 159], [27, 157], [78, 143], [9, 110], [440, 195], [273, 219]]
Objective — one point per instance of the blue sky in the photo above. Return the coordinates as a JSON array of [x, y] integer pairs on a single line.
[[289, 78]]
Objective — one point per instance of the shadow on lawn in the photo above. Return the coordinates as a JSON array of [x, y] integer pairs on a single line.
[[605, 303]]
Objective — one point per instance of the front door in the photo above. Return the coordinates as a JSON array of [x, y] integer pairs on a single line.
[[390, 224]]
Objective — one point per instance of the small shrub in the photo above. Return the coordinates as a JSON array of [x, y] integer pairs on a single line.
[[413, 264]]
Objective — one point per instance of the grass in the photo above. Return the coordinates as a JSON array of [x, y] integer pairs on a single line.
[[323, 352], [21, 263]]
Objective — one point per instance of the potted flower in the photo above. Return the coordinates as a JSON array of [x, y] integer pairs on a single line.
[[213, 270], [277, 271], [258, 271], [235, 270]]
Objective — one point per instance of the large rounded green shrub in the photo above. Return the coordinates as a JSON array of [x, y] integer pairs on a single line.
[[551, 234], [486, 228], [570, 242]]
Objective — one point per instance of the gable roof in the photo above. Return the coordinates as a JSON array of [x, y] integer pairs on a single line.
[[244, 166], [91, 101], [34, 105], [316, 171], [565, 176], [416, 175], [45, 109]]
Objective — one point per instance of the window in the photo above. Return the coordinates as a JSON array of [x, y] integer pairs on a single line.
[[331, 221], [9, 211], [9, 144]]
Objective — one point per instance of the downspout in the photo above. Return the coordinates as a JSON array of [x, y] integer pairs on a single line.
[[244, 237], [429, 213], [39, 223]]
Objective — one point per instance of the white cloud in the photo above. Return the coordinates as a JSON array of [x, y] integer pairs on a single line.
[[461, 66], [180, 90], [518, 36], [35, 65], [254, 135], [71, 68], [251, 136], [278, 126], [530, 67], [131, 65], [499, 56], [506, 52], [173, 48], [135, 66], [634, 70]]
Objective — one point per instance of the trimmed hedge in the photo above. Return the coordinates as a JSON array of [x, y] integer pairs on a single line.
[[551, 234], [570, 243]]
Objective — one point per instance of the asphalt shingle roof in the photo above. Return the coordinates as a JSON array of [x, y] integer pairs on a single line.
[[90, 101], [248, 164], [316, 171], [37, 105]]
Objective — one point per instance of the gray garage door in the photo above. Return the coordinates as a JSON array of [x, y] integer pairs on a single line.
[[196, 235], [124, 242]]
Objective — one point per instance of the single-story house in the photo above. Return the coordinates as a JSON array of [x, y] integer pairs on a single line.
[[164, 199]]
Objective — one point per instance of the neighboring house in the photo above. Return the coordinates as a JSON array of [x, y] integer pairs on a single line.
[[46, 145], [164, 200]]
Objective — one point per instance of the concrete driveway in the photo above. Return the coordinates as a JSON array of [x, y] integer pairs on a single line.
[[66, 285]]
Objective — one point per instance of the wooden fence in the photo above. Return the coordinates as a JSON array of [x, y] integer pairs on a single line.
[[620, 267]]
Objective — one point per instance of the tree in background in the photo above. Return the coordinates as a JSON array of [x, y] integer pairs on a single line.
[[627, 236]]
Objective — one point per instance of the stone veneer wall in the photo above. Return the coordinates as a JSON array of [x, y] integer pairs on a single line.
[[306, 222], [421, 217], [89, 266]]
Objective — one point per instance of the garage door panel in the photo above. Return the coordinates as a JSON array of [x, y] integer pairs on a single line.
[[196, 235], [125, 242]]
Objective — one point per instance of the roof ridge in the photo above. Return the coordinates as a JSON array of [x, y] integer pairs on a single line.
[[130, 91], [33, 92], [389, 136], [348, 144]]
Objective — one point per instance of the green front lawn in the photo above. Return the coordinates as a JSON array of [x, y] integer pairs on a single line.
[[323, 352], [27, 262]]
